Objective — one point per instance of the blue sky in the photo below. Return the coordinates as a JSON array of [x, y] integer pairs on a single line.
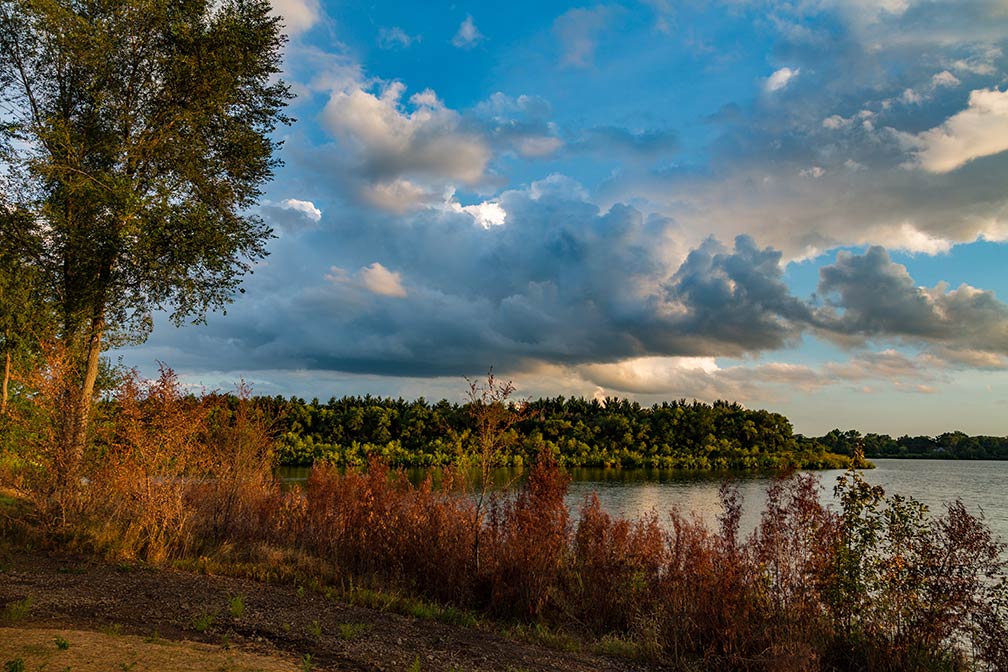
[[799, 205]]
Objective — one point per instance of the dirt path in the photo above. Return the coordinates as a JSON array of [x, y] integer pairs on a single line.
[[275, 621]]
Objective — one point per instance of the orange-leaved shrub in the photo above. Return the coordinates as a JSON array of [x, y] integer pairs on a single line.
[[376, 524], [526, 542], [877, 584]]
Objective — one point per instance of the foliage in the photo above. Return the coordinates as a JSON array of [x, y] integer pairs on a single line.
[[136, 138], [577, 432], [880, 583], [16, 611], [236, 605], [166, 471], [948, 445]]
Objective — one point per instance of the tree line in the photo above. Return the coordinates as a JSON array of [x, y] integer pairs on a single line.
[[949, 445], [611, 432]]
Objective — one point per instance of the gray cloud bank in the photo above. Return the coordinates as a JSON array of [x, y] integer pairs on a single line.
[[561, 282]]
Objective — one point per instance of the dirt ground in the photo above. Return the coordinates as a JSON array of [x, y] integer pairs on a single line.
[[115, 617]]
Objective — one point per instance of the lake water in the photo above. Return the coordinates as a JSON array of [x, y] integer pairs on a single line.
[[981, 485]]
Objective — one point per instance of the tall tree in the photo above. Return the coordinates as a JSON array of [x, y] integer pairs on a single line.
[[138, 134], [24, 314]]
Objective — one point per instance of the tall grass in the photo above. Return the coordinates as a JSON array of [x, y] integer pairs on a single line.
[[878, 584]]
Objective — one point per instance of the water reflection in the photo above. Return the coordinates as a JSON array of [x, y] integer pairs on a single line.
[[636, 492]]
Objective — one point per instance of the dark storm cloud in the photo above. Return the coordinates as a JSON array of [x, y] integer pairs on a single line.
[[560, 282], [873, 297], [736, 297]]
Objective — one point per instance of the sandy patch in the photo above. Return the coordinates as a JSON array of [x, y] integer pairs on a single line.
[[87, 651]]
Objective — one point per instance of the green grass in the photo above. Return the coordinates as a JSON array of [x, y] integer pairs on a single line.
[[113, 630], [236, 605], [617, 647], [62, 644], [17, 611], [16, 665], [202, 622], [350, 631]]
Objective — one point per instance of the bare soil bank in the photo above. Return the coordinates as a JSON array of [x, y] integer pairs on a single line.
[[280, 622]]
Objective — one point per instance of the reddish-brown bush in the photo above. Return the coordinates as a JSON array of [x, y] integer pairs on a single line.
[[875, 585], [526, 543]]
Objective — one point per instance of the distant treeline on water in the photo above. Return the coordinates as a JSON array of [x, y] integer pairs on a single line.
[[950, 445], [576, 431]]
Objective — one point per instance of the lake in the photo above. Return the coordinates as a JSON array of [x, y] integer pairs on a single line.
[[634, 492], [981, 485]]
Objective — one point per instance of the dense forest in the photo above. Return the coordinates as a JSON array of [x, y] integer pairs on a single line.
[[950, 445], [576, 431]]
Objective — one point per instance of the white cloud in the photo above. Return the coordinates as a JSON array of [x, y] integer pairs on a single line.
[[305, 207], [944, 79], [911, 239], [558, 185], [649, 375], [374, 278], [538, 145], [292, 214], [298, 15], [979, 130], [378, 279], [836, 122], [398, 196], [981, 63], [468, 35], [780, 79], [395, 38], [486, 214], [393, 142]]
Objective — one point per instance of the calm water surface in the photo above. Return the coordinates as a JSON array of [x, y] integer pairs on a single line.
[[982, 486]]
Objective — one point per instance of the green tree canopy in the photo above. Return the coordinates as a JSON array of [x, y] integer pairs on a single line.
[[137, 134]]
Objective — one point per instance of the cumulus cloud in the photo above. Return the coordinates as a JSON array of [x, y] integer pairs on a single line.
[[378, 279], [780, 79], [486, 214], [652, 375], [520, 124], [979, 130], [374, 278], [703, 378], [298, 15], [403, 151], [578, 31], [394, 140], [292, 214], [399, 195], [541, 277], [735, 298], [468, 35], [871, 297], [944, 79]]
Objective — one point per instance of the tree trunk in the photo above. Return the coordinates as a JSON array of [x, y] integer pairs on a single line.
[[6, 380], [82, 414]]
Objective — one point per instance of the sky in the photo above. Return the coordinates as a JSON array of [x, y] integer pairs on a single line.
[[798, 205]]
